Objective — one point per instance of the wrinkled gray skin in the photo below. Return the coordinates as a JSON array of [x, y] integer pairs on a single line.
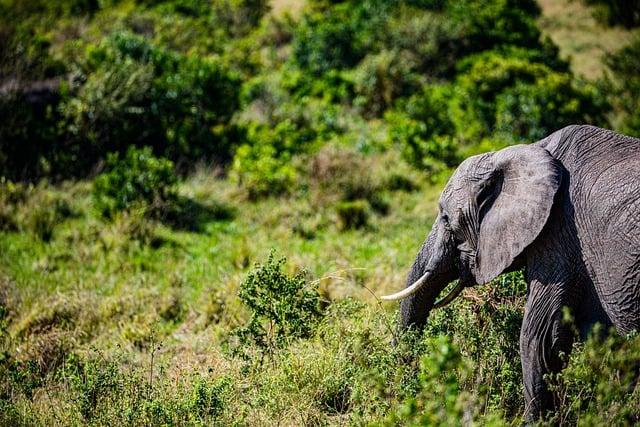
[[567, 210]]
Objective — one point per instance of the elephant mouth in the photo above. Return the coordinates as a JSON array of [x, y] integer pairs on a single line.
[[450, 296]]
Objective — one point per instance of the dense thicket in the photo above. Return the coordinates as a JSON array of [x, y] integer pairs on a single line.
[[201, 81]]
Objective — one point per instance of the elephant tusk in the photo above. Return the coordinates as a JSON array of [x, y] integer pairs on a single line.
[[407, 292], [449, 297]]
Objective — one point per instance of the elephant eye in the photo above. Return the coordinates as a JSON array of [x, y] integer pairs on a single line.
[[445, 219]]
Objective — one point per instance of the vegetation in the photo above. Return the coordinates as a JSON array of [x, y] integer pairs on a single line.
[[157, 158], [626, 13]]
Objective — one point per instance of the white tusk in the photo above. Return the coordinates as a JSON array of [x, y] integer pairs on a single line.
[[406, 292], [450, 296]]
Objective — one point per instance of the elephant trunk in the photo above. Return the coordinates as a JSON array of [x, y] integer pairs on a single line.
[[433, 269]]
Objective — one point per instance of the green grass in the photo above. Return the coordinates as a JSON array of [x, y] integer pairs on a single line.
[[133, 322], [119, 288]]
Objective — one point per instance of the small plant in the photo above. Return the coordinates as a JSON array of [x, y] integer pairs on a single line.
[[282, 307], [440, 396], [11, 196], [353, 214], [207, 398], [139, 178], [600, 383]]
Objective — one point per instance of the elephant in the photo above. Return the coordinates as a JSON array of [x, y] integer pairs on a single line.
[[565, 210]]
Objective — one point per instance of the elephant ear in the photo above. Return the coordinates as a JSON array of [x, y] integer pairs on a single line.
[[514, 203]]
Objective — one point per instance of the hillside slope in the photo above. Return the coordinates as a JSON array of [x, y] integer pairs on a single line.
[[580, 37]]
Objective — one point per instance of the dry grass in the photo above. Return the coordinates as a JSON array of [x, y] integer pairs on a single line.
[[582, 39], [291, 7]]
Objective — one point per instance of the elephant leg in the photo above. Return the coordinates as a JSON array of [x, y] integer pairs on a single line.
[[542, 338]]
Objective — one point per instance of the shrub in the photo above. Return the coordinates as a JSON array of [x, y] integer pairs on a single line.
[[339, 36], [422, 127], [33, 209], [263, 164], [343, 172], [625, 85], [533, 111], [614, 12], [600, 384], [440, 397], [282, 307], [399, 182], [262, 171], [382, 78], [432, 42], [353, 214], [420, 146], [139, 93], [495, 92], [208, 397], [138, 179], [497, 22], [12, 195]]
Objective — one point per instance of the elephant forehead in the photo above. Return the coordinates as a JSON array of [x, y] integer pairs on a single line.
[[465, 179]]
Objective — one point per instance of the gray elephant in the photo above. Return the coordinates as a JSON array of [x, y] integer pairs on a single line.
[[567, 210]]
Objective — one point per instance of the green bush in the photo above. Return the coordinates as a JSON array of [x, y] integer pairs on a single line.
[[262, 171], [12, 195], [101, 393], [423, 130], [497, 22], [283, 308], [32, 209], [600, 384], [430, 42], [533, 111], [382, 78], [353, 214], [625, 85], [343, 172], [338, 37], [139, 179], [440, 398], [263, 164], [617, 12], [208, 398], [142, 94], [496, 91]]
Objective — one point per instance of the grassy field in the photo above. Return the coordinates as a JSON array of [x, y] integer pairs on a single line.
[[133, 321], [167, 298]]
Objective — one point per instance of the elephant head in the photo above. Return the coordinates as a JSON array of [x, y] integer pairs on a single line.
[[493, 207]]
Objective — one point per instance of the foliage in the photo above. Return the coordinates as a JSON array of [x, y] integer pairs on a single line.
[[617, 12], [353, 214], [380, 79], [625, 84], [24, 208], [496, 90], [138, 93], [423, 130], [138, 179], [600, 384], [282, 307], [439, 398], [263, 165]]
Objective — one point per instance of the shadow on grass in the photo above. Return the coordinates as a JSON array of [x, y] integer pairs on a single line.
[[191, 215]]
